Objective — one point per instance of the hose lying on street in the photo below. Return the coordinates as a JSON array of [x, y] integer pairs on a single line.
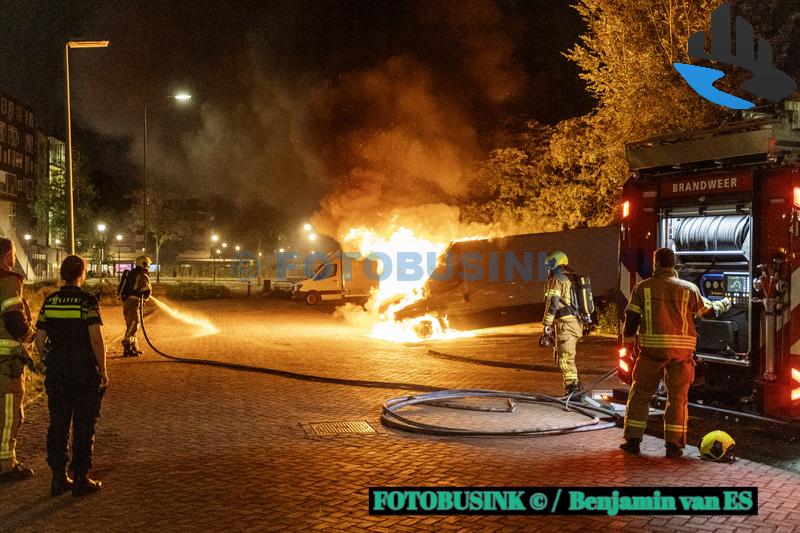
[[599, 417]]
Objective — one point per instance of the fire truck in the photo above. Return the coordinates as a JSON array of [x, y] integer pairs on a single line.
[[727, 201]]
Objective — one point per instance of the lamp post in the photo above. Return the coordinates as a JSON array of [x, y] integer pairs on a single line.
[[119, 251], [181, 97], [215, 264], [214, 239], [27, 252], [70, 203], [102, 229]]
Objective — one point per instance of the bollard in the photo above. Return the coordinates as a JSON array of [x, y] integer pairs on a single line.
[[266, 288], [248, 288]]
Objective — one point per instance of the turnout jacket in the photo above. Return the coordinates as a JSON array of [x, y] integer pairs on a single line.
[[662, 309], [15, 329], [558, 296]]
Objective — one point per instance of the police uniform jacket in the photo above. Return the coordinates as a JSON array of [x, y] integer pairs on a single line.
[[66, 316]]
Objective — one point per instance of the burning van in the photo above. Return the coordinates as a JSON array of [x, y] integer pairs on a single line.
[[486, 282], [727, 201]]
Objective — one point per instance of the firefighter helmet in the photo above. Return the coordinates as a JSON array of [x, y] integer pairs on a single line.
[[717, 446], [143, 261], [556, 259]]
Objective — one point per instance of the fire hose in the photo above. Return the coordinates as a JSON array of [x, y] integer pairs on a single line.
[[599, 417]]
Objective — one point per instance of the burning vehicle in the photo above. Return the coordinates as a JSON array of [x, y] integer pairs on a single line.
[[496, 281]]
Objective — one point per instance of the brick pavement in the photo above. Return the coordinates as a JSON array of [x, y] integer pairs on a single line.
[[187, 448]]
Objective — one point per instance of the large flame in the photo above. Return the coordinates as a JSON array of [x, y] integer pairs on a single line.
[[393, 293]]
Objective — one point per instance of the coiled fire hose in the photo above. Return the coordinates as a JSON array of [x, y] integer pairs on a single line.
[[599, 417]]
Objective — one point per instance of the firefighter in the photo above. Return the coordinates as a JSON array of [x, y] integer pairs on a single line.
[[140, 289], [69, 334], [15, 329], [662, 310], [560, 322]]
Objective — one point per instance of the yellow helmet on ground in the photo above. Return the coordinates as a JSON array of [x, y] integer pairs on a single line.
[[143, 261], [717, 446], [556, 259]]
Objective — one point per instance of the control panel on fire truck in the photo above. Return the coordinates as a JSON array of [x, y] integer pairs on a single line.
[[732, 285]]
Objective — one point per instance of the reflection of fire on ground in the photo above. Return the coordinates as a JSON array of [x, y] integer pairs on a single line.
[[204, 326], [393, 294]]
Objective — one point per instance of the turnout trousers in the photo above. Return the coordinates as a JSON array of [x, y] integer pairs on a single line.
[[130, 311], [76, 406], [11, 416], [568, 332], [678, 374]]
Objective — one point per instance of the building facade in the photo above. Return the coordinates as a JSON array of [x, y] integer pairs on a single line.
[[19, 166]]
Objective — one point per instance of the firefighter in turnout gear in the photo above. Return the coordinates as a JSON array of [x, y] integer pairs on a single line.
[[15, 331], [69, 334], [661, 311], [138, 290], [560, 323]]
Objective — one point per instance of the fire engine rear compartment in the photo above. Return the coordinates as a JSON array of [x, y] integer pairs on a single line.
[[713, 246]]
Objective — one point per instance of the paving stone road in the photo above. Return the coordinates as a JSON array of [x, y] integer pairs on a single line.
[[182, 447]]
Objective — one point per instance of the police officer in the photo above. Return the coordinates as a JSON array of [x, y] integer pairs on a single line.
[[15, 329], [662, 311], [69, 334], [559, 319], [140, 289]]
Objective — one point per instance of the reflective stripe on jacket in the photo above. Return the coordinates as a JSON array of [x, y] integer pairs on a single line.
[[557, 297], [667, 306]]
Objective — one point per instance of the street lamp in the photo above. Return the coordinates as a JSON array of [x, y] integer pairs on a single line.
[[215, 264], [181, 97], [307, 226], [102, 229], [27, 252], [70, 203], [119, 251], [237, 248]]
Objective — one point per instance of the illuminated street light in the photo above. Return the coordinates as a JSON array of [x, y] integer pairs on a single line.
[[281, 250], [224, 244], [237, 248], [307, 226], [312, 236], [181, 97], [119, 250], [71, 203], [101, 227], [214, 238]]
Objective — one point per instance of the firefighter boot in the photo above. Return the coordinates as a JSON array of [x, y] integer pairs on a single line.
[[673, 451], [630, 446], [18, 472], [129, 349], [135, 348], [573, 388], [84, 485], [61, 483]]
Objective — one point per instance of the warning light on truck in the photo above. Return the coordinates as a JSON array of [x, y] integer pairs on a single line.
[[796, 377]]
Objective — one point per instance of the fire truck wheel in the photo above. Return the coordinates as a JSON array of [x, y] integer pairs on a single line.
[[312, 298]]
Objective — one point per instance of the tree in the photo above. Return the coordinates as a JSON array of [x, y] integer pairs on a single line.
[[51, 205], [165, 220]]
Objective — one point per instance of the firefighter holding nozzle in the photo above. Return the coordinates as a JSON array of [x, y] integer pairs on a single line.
[[562, 328], [661, 311], [134, 288], [15, 333]]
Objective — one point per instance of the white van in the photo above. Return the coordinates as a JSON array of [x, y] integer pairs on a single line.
[[332, 281]]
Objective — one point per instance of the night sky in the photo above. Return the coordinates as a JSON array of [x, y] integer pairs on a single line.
[[292, 100]]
